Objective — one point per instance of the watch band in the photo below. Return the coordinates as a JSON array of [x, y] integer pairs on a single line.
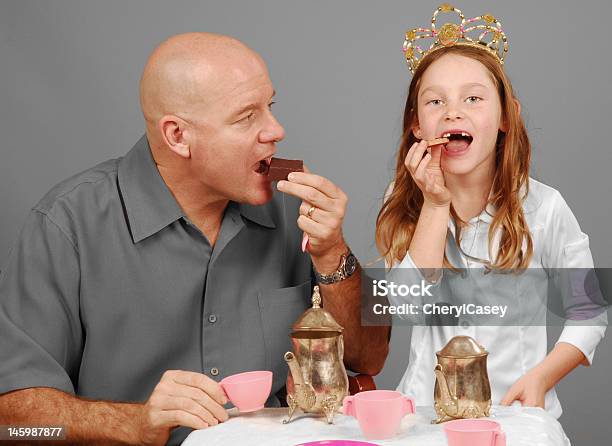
[[348, 265]]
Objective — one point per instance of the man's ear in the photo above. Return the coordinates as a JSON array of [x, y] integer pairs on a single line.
[[504, 125], [172, 130]]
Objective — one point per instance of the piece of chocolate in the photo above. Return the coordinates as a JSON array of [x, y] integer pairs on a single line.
[[280, 168], [435, 142]]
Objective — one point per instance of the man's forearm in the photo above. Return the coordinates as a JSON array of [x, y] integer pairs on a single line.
[[85, 422], [366, 347]]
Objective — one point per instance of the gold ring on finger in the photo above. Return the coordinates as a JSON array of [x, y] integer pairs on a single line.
[[310, 211]]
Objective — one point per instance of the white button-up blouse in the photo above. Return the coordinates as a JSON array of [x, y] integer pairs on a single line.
[[558, 242]]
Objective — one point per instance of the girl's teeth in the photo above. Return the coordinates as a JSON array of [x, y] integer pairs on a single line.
[[448, 134]]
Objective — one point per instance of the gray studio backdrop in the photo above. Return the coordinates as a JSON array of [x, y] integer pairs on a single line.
[[69, 72]]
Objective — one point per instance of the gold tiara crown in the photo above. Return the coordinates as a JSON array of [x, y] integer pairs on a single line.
[[483, 32]]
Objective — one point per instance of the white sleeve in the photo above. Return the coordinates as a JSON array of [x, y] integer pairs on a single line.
[[567, 250], [566, 246], [405, 275], [408, 263]]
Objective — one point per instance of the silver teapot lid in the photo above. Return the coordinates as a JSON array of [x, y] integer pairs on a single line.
[[461, 347], [316, 318]]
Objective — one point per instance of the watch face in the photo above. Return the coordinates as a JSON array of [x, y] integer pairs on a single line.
[[350, 265]]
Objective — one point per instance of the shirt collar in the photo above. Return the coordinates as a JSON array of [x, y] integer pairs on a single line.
[[258, 214], [149, 204], [486, 216]]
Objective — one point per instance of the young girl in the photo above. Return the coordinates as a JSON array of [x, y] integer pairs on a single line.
[[476, 189]]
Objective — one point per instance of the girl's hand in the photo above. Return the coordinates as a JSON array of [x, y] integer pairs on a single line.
[[427, 173], [529, 390]]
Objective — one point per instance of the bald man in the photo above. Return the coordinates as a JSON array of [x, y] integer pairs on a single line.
[[137, 285]]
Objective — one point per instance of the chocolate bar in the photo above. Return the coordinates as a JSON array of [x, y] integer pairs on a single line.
[[435, 142], [280, 168]]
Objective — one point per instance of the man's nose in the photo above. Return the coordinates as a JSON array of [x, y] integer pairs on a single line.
[[273, 132]]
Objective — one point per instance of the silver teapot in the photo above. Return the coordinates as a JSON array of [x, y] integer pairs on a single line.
[[317, 381]]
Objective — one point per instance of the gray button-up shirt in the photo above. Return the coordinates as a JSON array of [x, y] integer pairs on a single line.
[[109, 285]]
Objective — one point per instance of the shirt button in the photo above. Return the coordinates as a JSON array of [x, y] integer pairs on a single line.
[[212, 318], [214, 371]]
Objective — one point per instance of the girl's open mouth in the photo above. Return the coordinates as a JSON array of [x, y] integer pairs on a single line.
[[459, 142]]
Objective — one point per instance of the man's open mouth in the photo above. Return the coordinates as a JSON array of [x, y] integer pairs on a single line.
[[263, 166]]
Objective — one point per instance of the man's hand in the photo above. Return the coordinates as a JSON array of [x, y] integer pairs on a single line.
[[321, 216], [321, 213], [181, 399]]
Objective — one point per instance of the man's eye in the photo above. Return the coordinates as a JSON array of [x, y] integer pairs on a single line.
[[271, 104], [248, 117], [473, 99]]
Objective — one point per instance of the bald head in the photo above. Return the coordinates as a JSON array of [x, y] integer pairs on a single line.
[[184, 71]]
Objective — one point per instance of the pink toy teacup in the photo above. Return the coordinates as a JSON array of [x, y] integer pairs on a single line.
[[248, 391], [471, 432], [379, 412]]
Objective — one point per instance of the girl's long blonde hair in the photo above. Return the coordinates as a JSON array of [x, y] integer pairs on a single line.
[[400, 212]]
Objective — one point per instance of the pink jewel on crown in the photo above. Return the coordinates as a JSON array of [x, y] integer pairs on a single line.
[[483, 32]]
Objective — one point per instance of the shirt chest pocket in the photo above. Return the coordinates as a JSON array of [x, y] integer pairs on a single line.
[[280, 308]]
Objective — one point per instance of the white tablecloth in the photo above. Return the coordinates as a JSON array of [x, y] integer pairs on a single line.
[[523, 426]]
